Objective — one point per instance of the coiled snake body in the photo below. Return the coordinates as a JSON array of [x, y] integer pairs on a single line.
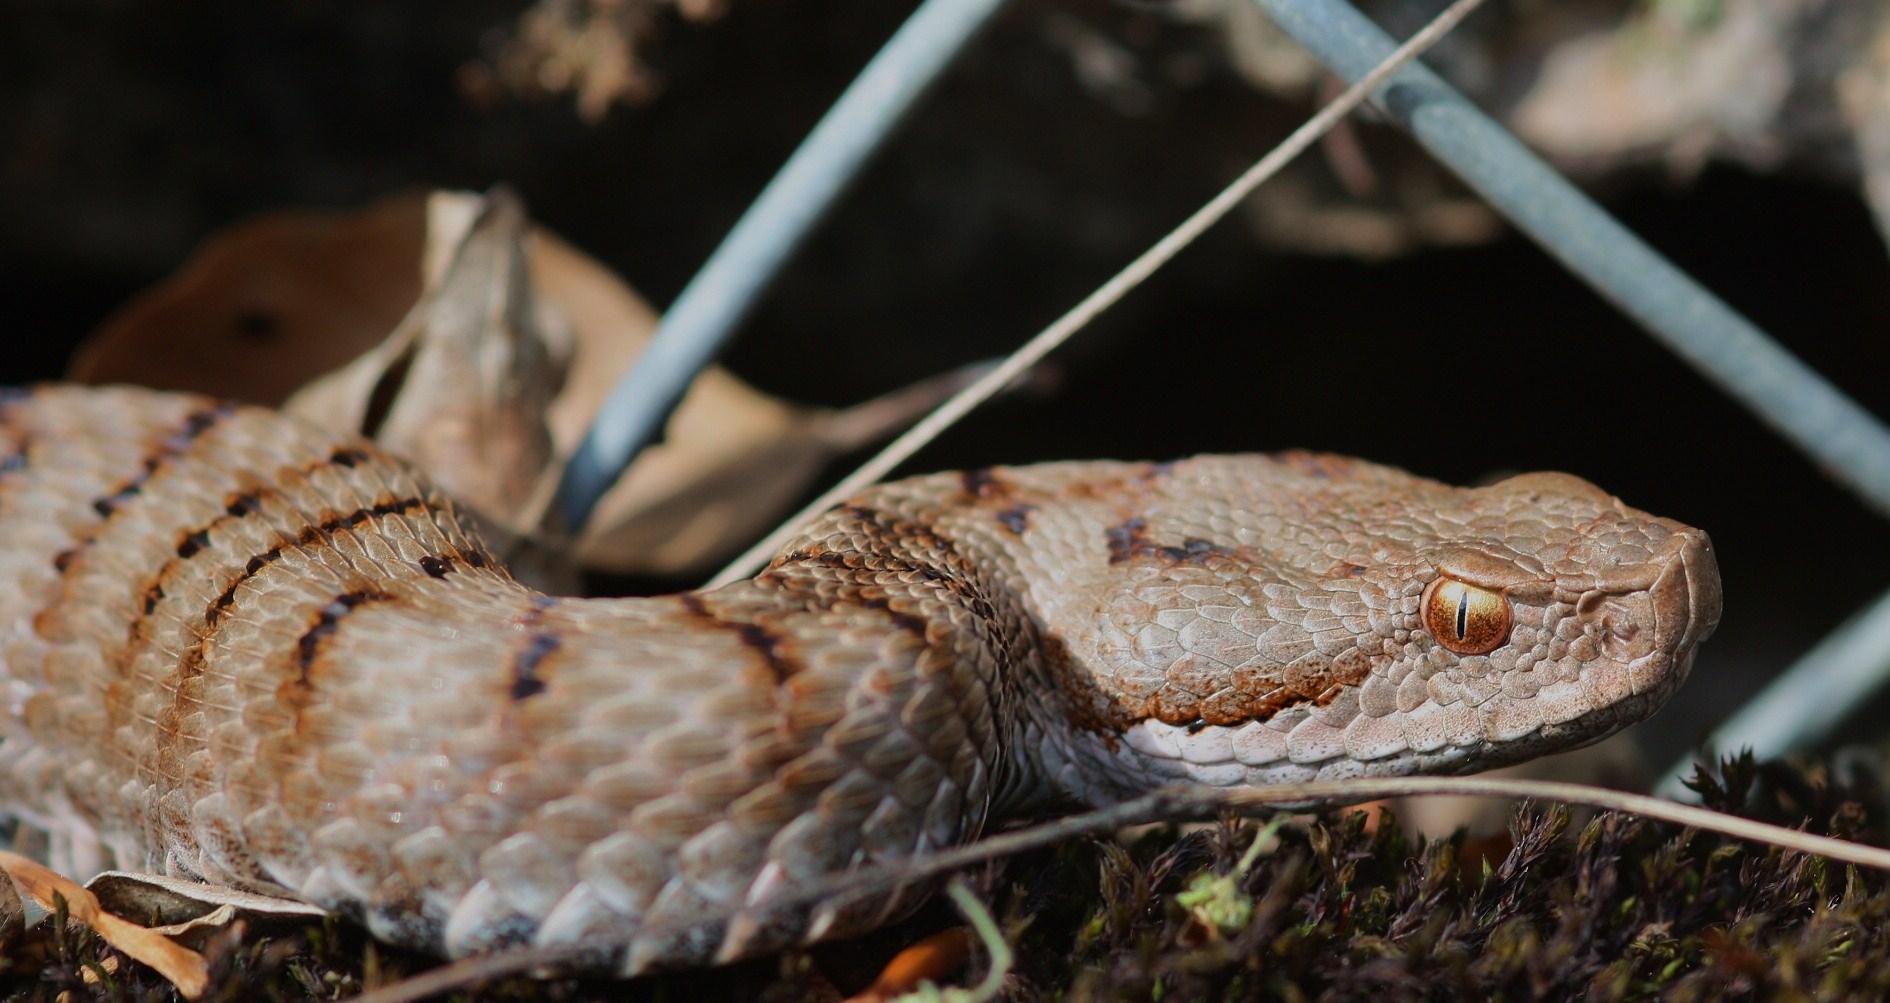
[[240, 648]]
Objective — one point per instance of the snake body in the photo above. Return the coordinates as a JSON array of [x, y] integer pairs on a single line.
[[239, 648]]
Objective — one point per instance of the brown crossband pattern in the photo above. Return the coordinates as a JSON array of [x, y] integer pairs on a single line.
[[243, 648]]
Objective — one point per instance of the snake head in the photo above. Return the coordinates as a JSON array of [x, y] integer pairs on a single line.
[[1281, 619]]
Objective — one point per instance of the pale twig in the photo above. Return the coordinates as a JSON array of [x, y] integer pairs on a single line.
[[1106, 296], [1848, 443], [710, 308], [1167, 805], [1809, 700]]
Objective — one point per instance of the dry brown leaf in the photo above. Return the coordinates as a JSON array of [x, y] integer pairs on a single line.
[[181, 966], [728, 468], [473, 298], [190, 911], [462, 387], [266, 304], [93, 975], [930, 960], [12, 914]]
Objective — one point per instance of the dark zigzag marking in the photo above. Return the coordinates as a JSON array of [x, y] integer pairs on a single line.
[[754, 636], [538, 647], [308, 648], [237, 506], [172, 447], [308, 537]]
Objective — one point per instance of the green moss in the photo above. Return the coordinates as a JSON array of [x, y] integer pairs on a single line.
[[1614, 908]]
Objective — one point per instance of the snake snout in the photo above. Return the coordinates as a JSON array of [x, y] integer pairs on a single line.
[[1686, 597], [1685, 600]]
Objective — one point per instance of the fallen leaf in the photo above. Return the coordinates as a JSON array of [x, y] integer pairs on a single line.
[[266, 304], [453, 332], [929, 960], [12, 914], [191, 910], [181, 966], [728, 468], [463, 385]]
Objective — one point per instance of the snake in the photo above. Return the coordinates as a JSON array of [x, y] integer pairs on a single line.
[[238, 648]]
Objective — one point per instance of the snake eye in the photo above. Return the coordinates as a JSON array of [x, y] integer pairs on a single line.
[[1465, 619]]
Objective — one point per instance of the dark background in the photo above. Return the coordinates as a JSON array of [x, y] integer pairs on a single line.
[[132, 130]]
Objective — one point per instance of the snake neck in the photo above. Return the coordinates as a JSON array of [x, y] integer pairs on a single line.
[[967, 588], [894, 564]]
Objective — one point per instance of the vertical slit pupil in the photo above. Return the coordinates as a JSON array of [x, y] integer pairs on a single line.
[[1463, 614]]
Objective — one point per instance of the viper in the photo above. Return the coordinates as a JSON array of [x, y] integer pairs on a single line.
[[237, 648]]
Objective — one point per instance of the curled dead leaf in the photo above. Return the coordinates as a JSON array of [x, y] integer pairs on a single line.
[[190, 911], [463, 386], [452, 331], [930, 960], [181, 966], [12, 914], [266, 304]]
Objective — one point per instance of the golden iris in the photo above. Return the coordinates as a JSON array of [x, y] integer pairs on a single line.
[[1465, 619]]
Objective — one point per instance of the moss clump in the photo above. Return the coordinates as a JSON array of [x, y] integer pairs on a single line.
[[1614, 908], [1617, 908]]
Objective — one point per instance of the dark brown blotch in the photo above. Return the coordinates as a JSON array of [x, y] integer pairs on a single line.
[[525, 681], [984, 485], [1130, 540], [1197, 550], [835, 561], [823, 559], [909, 622], [912, 534], [174, 445], [193, 542], [20, 458], [1304, 686], [1016, 518], [308, 537], [111, 503], [196, 424], [308, 647], [1127, 540], [759, 638], [770, 646], [242, 503]]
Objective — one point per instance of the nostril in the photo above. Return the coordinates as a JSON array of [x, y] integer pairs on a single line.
[[1621, 631]]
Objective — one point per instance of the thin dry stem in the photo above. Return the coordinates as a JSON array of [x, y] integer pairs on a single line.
[[1106, 296], [1173, 805]]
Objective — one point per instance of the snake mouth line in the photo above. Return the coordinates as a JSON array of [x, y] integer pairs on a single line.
[[1683, 601]]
